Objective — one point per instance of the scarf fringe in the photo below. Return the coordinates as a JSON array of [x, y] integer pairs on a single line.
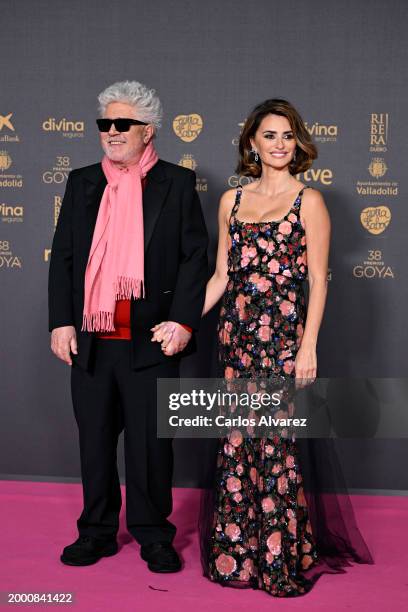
[[125, 288], [98, 322]]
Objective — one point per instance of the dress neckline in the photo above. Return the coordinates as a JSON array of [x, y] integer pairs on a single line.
[[278, 221]]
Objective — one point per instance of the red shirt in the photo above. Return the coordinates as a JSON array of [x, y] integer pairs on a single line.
[[122, 316]]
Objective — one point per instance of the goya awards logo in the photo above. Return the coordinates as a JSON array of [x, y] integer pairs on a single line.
[[8, 259], [188, 127], [322, 132], [373, 267], [378, 132], [375, 219], [188, 161], [234, 180], [66, 127], [8, 180], [7, 130], [10, 213], [59, 171]]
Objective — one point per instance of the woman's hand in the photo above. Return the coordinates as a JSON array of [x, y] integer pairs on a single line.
[[305, 366]]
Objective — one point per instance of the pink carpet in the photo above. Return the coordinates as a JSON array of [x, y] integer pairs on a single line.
[[38, 520]]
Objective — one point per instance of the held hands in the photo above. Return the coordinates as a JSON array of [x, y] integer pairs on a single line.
[[63, 340], [173, 337], [305, 367]]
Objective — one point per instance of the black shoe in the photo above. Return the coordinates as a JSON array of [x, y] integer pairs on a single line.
[[88, 550], [161, 557]]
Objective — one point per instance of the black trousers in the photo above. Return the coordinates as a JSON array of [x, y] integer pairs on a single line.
[[109, 398]]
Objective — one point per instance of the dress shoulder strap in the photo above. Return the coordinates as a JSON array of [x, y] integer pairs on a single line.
[[237, 202], [298, 200]]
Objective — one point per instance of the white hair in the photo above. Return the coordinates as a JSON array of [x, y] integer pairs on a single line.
[[136, 94]]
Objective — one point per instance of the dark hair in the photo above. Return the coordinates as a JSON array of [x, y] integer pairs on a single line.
[[306, 151]]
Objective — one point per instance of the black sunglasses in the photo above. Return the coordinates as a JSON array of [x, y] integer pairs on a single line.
[[121, 125]]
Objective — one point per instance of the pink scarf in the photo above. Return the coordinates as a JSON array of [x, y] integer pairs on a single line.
[[115, 269]]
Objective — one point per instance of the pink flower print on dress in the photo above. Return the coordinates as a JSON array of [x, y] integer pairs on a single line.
[[274, 542], [248, 566], [225, 564], [306, 561], [282, 485], [273, 266], [306, 547], [247, 253], [301, 259], [268, 504], [261, 283], [285, 228], [233, 484], [240, 305], [233, 531], [286, 307], [262, 243], [229, 373], [246, 360], [235, 437], [239, 469], [292, 526], [264, 333], [229, 450], [288, 366]]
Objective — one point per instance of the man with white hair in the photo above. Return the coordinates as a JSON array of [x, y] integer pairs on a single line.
[[126, 290]]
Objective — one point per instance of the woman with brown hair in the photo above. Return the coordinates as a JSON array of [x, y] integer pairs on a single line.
[[256, 527]]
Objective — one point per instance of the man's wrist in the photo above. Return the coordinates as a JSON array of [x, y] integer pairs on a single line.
[[187, 327]]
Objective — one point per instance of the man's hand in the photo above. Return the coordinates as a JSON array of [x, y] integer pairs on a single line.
[[173, 337], [63, 339]]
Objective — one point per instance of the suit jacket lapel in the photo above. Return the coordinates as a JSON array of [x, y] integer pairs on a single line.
[[153, 198]]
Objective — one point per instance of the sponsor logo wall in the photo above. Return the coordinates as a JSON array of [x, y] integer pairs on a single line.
[[49, 129]]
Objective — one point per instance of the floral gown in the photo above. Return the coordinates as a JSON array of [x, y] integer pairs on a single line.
[[261, 534]]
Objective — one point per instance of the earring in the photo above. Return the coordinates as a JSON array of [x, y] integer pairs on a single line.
[[255, 154], [294, 157]]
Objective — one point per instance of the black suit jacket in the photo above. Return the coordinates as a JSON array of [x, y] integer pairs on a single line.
[[176, 267]]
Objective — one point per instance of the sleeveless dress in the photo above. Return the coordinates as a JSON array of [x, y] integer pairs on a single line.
[[276, 514], [261, 534]]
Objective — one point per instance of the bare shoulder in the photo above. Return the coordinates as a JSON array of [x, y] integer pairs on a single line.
[[313, 203], [227, 201]]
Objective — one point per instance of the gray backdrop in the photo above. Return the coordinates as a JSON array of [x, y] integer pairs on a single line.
[[341, 64]]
